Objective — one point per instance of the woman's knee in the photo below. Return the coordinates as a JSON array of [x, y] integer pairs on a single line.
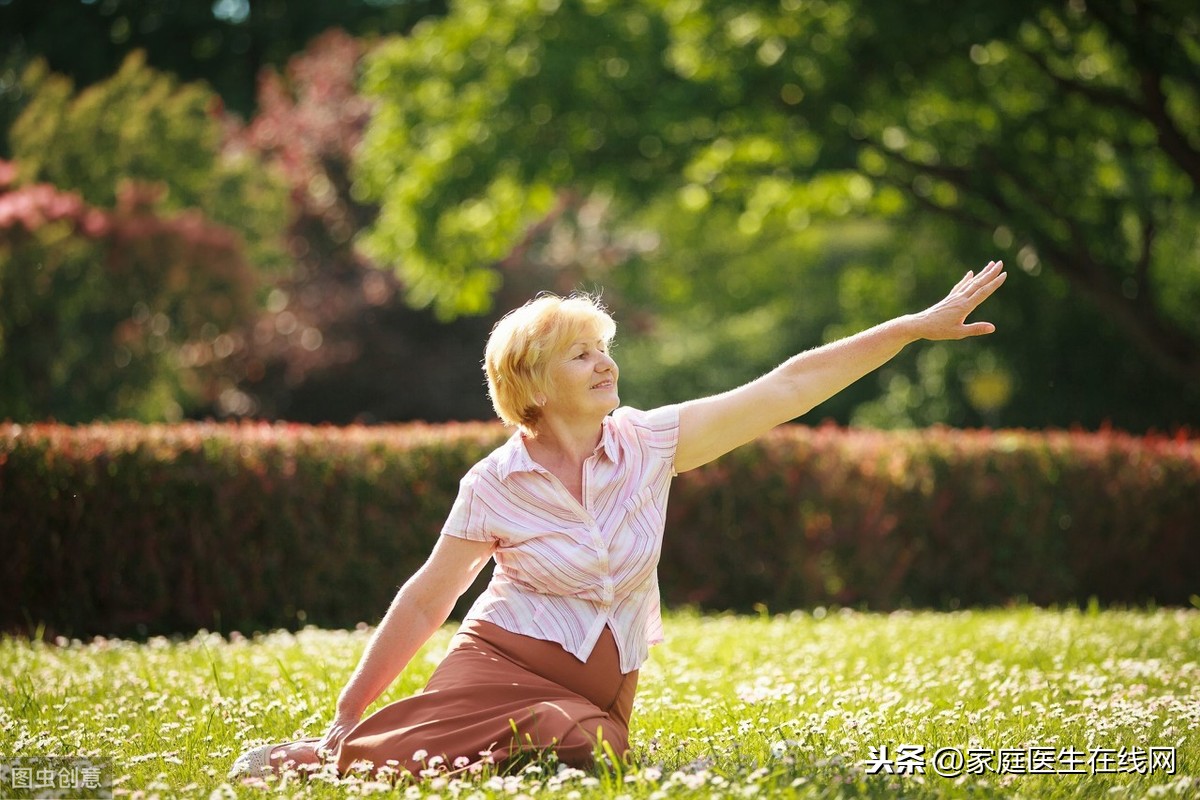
[[589, 739]]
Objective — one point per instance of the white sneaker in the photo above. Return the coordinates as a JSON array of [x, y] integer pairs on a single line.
[[253, 763]]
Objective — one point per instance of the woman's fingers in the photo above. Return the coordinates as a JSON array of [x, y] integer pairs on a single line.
[[333, 737], [978, 329], [987, 273], [948, 319], [963, 281], [989, 281], [971, 282]]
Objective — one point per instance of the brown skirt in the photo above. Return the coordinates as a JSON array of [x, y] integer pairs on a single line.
[[499, 694]]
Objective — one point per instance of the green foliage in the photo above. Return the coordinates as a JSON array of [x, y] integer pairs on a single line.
[[143, 125], [103, 313], [1066, 134], [131, 244], [226, 44], [627, 98], [132, 530], [710, 307], [725, 306], [807, 168], [337, 342], [13, 64], [1059, 138], [484, 113]]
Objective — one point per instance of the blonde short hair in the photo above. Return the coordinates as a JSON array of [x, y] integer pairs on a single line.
[[524, 343]]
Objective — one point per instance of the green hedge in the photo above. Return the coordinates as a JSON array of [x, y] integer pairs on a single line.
[[136, 530]]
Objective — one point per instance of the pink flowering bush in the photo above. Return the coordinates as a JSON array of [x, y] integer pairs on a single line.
[[101, 307]]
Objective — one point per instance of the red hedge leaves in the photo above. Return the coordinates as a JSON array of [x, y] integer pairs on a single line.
[[134, 530], [938, 518]]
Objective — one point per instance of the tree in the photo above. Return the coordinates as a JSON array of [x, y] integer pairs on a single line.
[[144, 125], [1062, 133], [225, 44], [1071, 134], [130, 248], [336, 341], [105, 312]]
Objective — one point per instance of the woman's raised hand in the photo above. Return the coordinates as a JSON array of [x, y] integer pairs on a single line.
[[947, 318]]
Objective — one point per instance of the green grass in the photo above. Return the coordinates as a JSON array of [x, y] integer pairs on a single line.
[[728, 706]]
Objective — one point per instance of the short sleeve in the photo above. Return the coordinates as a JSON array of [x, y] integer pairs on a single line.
[[656, 431], [467, 517]]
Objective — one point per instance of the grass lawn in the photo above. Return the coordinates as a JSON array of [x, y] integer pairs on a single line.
[[1033, 703]]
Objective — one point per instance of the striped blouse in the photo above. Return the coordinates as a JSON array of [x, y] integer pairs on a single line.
[[565, 570]]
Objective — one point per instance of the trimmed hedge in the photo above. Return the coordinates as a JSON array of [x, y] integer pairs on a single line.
[[938, 518], [137, 530]]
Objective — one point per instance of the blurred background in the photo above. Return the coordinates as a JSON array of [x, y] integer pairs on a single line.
[[309, 211]]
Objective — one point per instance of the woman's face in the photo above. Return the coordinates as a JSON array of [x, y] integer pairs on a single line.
[[583, 381]]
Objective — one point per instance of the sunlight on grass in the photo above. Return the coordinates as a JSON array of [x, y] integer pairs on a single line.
[[730, 706]]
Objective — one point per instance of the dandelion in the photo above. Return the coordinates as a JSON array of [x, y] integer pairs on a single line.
[[869, 680]]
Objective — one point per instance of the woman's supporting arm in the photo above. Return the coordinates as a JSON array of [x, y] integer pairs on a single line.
[[421, 606], [712, 426]]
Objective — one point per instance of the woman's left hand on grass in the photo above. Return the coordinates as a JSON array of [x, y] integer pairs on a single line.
[[338, 730]]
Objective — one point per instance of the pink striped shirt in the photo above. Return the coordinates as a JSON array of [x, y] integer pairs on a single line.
[[565, 570]]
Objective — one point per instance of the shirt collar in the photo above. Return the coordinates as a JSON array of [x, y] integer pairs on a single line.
[[516, 458], [608, 440]]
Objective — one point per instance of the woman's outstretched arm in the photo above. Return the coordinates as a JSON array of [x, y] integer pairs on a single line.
[[712, 426], [420, 607]]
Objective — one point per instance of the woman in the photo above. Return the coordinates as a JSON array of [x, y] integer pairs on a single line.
[[572, 509]]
